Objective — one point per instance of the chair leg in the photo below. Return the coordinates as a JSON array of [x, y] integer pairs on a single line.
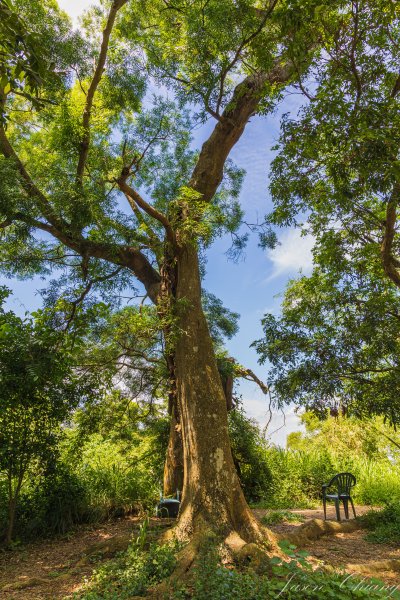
[[337, 506], [352, 506], [324, 503], [346, 508]]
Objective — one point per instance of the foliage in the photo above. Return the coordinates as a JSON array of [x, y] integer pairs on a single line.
[[297, 478], [39, 388], [97, 475], [329, 345], [24, 59], [338, 161], [118, 480], [223, 323], [365, 448], [52, 505], [371, 438], [336, 176], [384, 525], [154, 150], [131, 573], [249, 455]]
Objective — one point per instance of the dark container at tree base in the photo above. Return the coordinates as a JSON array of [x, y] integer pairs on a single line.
[[168, 508]]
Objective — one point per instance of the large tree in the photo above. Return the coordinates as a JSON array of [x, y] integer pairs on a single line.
[[102, 181]]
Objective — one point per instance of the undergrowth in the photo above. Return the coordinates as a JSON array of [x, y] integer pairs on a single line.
[[281, 516], [137, 569], [383, 525]]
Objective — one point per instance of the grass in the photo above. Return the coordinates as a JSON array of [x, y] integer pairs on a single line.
[[281, 516]]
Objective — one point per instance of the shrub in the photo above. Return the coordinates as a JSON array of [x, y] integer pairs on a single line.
[[249, 455], [53, 506], [383, 525], [116, 481], [130, 573]]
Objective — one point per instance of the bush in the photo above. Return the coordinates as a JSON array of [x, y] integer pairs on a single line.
[[116, 481], [249, 455], [131, 573], [52, 505], [384, 525], [101, 481], [328, 447]]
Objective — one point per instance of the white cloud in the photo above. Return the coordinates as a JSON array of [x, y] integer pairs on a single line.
[[294, 254]]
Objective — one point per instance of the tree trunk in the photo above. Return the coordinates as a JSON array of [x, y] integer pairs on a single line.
[[12, 506], [213, 500], [173, 468]]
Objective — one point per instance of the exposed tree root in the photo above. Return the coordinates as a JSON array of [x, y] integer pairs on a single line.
[[376, 566], [251, 546], [316, 528], [24, 583], [255, 551]]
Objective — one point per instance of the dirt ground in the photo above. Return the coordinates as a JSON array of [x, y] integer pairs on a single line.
[[348, 551], [53, 569]]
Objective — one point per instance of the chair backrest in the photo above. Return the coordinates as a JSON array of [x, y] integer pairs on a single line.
[[344, 482]]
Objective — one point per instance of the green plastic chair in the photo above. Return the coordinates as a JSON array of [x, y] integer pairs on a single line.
[[343, 482]]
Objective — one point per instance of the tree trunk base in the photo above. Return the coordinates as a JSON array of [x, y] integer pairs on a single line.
[[251, 545]]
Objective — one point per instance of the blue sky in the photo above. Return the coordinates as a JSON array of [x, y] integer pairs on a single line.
[[252, 286]]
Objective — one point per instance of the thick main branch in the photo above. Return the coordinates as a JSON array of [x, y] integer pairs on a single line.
[[208, 172]]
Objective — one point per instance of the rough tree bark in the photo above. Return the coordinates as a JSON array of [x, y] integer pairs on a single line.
[[212, 497], [173, 468]]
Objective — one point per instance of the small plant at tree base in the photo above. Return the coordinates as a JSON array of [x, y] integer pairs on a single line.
[[131, 573]]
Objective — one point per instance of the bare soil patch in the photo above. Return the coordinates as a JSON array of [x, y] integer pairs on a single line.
[[55, 568]]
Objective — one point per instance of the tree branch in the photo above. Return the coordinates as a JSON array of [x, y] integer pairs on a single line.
[[122, 255], [28, 184], [135, 198], [85, 292], [251, 376], [245, 42], [84, 144], [396, 88]]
